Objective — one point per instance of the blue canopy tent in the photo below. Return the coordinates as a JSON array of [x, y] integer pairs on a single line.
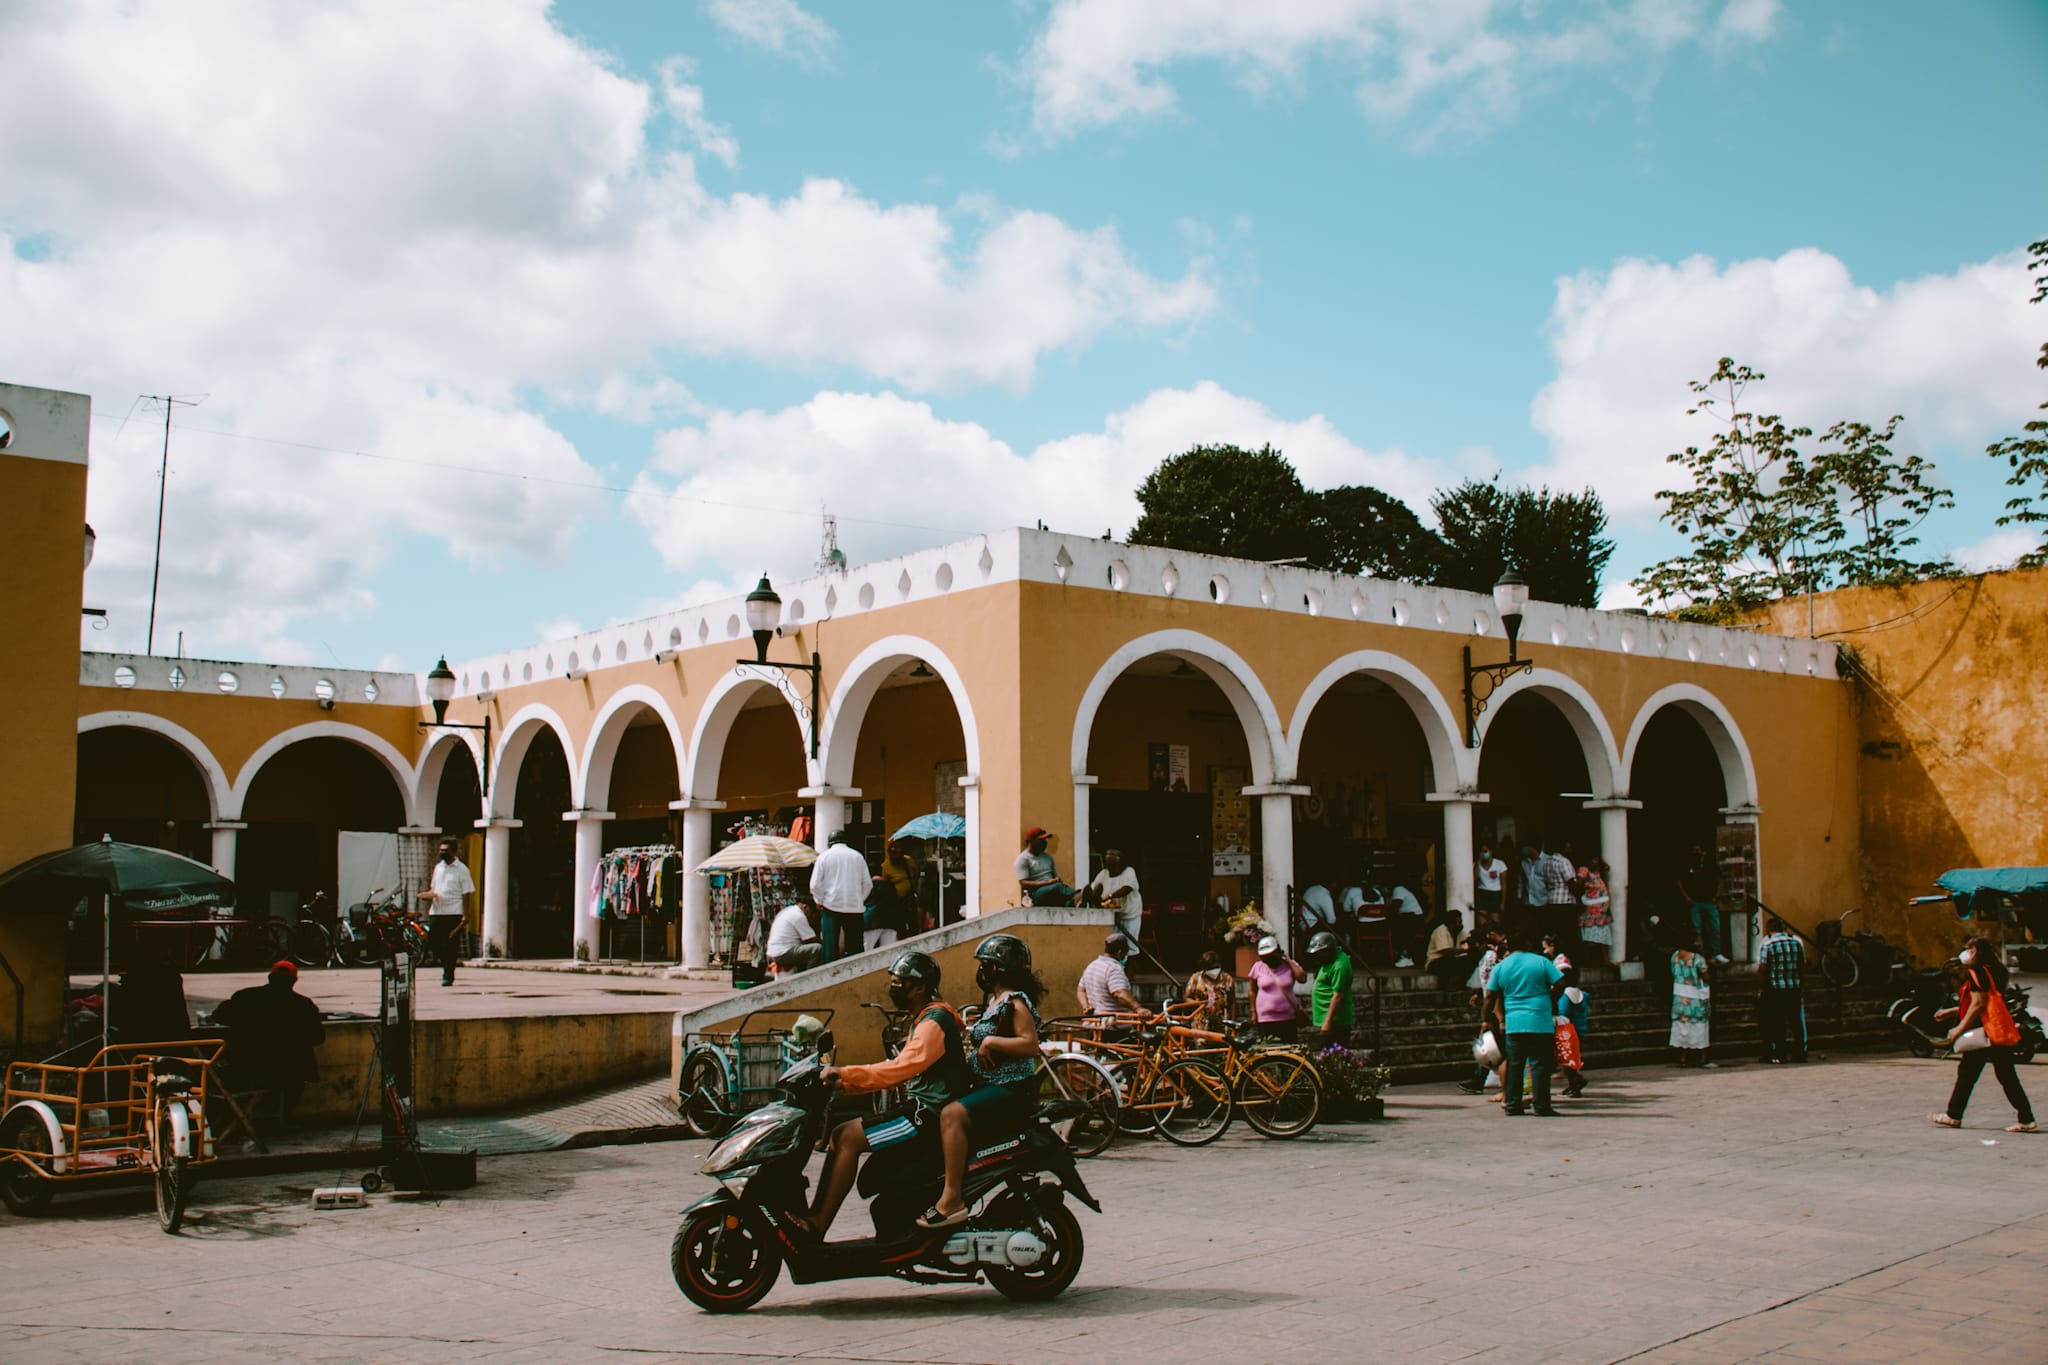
[[937, 825], [2002, 896]]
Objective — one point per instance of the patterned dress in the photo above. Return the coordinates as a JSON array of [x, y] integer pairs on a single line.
[[1690, 998]]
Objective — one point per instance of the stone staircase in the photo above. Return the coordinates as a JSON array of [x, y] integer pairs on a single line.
[[1425, 1031]]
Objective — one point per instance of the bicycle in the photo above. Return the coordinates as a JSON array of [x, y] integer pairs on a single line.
[[250, 942], [1277, 1087], [1843, 955], [1161, 1089]]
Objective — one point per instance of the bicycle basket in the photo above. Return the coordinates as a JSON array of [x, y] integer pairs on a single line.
[[1827, 933]]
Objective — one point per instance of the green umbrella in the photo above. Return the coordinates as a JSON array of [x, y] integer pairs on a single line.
[[138, 878]]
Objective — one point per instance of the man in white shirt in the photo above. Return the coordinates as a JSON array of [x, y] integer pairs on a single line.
[[793, 944], [840, 883], [1489, 875], [1318, 911], [1408, 928], [449, 886], [1116, 887]]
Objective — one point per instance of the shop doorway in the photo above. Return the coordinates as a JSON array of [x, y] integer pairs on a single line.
[[1677, 776], [299, 804], [543, 853]]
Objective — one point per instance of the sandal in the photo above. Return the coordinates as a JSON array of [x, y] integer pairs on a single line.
[[1944, 1121], [2028, 1127], [931, 1220]]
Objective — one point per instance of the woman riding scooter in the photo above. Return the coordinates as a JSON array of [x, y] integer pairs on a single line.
[[932, 1069], [1002, 1050]]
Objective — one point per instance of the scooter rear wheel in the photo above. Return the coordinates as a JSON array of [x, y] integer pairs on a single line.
[[721, 1263], [1064, 1248]]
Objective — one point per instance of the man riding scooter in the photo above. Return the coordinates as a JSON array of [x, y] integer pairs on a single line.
[[932, 1068]]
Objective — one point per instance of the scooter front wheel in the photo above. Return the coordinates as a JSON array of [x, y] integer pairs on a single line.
[[1061, 1232], [721, 1263]]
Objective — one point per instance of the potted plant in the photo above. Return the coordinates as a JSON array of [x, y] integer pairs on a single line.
[[1241, 930], [1352, 1082]]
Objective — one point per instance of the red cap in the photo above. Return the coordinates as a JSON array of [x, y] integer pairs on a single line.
[[290, 969], [1035, 832]]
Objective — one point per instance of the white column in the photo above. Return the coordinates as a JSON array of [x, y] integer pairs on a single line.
[[497, 884], [830, 817], [696, 889], [1459, 881], [1083, 845], [589, 848], [970, 799], [1614, 852], [1276, 854], [224, 832]]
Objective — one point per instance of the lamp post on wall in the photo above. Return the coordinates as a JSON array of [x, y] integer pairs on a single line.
[[440, 691], [764, 617], [1510, 596]]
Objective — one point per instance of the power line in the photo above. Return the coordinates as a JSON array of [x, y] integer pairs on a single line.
[[623, 491]]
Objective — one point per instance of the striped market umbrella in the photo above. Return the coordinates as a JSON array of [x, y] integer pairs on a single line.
[[760, 850]]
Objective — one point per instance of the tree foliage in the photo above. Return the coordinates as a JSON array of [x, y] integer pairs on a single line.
[[1555, 541], [1767, 519], [1224, 500], [2026, 455], [1250, 504]]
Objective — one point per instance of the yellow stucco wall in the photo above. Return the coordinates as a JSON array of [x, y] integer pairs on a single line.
[[1949, 736], [42, 529]]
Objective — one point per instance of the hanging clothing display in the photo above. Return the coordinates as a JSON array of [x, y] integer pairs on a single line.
[[640, 888]]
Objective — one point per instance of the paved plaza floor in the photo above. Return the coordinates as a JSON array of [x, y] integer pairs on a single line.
[[1745, 1213]]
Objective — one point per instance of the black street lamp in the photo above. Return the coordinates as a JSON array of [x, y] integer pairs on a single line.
[[764, 617], [1510, 596], [440, 691]]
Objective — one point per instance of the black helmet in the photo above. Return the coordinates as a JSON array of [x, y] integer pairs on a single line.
[[1321, 945], [915, 966], [1005, 952]]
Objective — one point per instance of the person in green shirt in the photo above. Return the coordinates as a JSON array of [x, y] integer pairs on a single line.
[[1331, 1002]]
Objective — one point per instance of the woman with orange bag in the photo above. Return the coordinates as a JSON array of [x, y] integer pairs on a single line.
[[1983, 1036]]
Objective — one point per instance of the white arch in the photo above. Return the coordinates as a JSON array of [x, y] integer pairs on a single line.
[[1738, 770], [426, 787], [601, 749], [221, 802], [722, 706], [380, 747], [526, 722], [1449, 758], [1238, 682], [1588, 722], [856, 691]]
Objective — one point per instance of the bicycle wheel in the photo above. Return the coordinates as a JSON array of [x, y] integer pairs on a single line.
[[701, 1096], [1280, 1095], [310, 945], [1194, 1105], [173, 1180], [1840, 967], [1132, 1120], [1070, 1076]]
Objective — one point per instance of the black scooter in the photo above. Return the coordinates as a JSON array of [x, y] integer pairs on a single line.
[[1930, 992], [734, 1242]]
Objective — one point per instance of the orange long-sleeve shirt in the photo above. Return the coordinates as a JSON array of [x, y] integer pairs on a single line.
[[927, 1045]]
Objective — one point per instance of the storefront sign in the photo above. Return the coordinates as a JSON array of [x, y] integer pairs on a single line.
[[1230, 824], [1735, 854], [1166, 767]]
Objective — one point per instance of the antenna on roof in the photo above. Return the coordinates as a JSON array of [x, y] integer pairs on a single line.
[[831, 559]]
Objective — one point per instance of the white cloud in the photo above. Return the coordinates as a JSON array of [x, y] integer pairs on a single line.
[[782, 27], [1462, 61], [1997, 550], [686, 102], [1952, 352], [384, 227], [900, 478]]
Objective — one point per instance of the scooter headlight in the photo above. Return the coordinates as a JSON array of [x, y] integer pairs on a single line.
[[740, 1148]]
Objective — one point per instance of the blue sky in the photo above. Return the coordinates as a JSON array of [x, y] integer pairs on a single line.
[[943, 267]]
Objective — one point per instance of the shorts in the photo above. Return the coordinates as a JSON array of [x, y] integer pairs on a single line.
[[993, 1106], [895, 1130]]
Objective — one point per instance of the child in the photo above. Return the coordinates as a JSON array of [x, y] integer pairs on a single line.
[[1572, 1014]]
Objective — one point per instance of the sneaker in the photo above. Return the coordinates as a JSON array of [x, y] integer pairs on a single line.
[[1709, 1066], [1404, 961], [1472, 1089], [1721, 958]]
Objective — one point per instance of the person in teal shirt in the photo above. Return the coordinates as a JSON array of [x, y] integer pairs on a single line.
[[1331, 1003], [1523, 994]]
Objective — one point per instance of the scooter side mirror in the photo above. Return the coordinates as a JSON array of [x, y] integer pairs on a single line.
[[824, 1045]]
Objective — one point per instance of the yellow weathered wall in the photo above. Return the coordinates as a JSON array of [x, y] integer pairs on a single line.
[[1950, 737], [42, 540]]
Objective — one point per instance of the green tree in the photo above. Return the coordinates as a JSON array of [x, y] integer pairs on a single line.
[[1556, 541], [2026, 455], [1361, 530], [1747, 512], [1867, 501], [1225, 500]]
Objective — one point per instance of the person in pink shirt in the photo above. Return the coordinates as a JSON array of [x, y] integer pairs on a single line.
[[1273, 977]]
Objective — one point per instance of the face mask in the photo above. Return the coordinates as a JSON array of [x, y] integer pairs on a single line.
[[1212, 972], [1968, 956], [985, 979], [899, 996]]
